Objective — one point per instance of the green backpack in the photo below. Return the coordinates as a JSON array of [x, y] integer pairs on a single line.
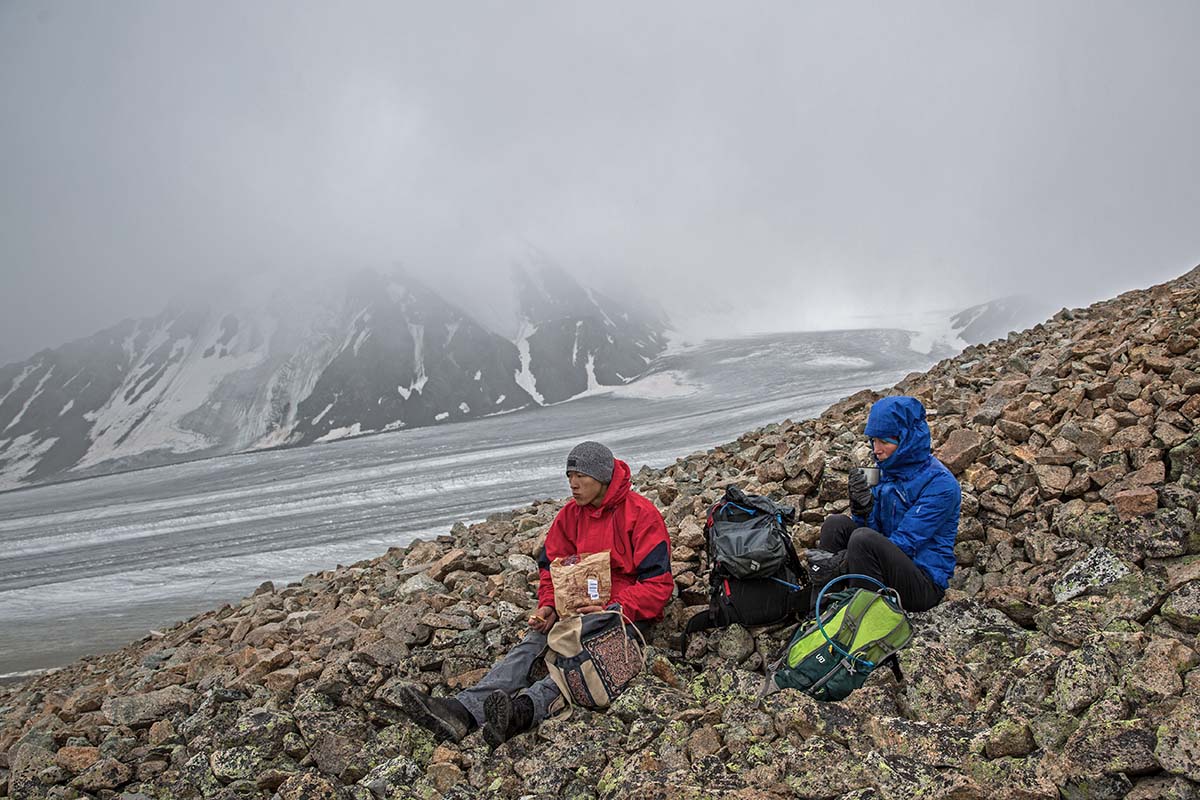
[[854, 632]]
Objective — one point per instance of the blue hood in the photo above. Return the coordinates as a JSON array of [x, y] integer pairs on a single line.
[[901, 418]]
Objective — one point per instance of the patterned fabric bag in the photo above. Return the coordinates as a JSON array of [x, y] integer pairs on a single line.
[[593, 657]]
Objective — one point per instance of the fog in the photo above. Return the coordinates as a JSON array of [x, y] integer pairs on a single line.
[[751, 166]]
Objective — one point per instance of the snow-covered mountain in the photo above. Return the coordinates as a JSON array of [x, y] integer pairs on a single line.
[[945, 332], [573, 340], [998, 318], [374, 353]]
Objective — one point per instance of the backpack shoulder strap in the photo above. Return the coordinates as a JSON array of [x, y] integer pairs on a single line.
[[793, 560]]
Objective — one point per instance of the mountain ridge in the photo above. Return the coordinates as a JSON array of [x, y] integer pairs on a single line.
[[382, 352]]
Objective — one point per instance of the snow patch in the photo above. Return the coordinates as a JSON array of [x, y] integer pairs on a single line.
[[22, 455], [67, 407], [524, 376], [354, 330], [478, 374], [441, 416], [849, 362], [151, 419], [592, 299], [464, 408], [500, 399], [926, 330], [746, 357], [656, 386], [592, 384], [342, 433], [659, 386], [65, 385], [37, 390], [363, 335], [418, 334], [317, 419], [17, 381], [419, 377]]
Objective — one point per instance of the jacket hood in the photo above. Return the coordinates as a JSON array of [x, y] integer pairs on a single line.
[[618, 488], [901, 418]]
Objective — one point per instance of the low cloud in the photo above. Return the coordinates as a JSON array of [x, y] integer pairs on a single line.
[[794, 167]]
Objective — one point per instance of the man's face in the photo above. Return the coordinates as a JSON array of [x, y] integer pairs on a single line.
[[585, 490], [883, 450]]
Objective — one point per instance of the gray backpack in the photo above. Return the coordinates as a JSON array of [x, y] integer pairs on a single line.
[[755, 577], [747, 535]]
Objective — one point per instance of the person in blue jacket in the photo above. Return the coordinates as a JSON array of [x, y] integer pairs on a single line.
[[902, 531]]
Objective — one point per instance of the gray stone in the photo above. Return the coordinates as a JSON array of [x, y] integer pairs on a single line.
[[1182, 608], [1082, 678], [1178, 748], [735, 644], [420, 584], [236, 763], [519, 562], [400, 771], [1106, 747], [26, 762], [107, 773], [1098, 568], [142, 710]]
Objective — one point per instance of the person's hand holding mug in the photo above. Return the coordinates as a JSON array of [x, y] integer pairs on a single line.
[[861, 499]]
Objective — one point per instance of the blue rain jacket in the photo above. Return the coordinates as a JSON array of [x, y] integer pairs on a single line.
[[917, 500]]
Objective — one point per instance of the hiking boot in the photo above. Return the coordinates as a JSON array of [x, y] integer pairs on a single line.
[[445, 717], [505, 717]]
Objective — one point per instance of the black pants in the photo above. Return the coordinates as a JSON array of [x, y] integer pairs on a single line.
[[870, 553]]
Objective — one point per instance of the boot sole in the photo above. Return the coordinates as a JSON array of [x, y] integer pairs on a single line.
[[413, 704], [497, 711]]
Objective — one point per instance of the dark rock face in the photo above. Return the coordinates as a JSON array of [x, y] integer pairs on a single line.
[[578, 339], [413, 360], [380, 353], [1063, 663], [46, 401]]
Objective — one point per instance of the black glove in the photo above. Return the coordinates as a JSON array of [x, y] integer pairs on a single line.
[[861, 499]]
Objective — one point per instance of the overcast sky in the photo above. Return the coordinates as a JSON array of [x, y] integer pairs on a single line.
[[841, 158]]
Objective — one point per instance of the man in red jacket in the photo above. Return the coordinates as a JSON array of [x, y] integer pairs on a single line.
[[606, 514]]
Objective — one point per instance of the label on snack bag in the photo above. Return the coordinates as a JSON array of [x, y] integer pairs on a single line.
[[593, 588]]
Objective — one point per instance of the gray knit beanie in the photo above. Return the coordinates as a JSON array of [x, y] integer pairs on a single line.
[[591, 458]]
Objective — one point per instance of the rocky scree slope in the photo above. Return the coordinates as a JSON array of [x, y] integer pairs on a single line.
[[1063, 662]]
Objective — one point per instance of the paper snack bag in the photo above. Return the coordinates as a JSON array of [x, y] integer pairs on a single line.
[[582, 580]]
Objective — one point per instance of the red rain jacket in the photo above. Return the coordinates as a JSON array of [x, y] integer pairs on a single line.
[[632, 530]]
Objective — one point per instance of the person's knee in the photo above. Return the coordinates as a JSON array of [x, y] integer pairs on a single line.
[[831, 529], [863, 539]]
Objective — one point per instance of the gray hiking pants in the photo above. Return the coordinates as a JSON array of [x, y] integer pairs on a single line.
[[511, 675]]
